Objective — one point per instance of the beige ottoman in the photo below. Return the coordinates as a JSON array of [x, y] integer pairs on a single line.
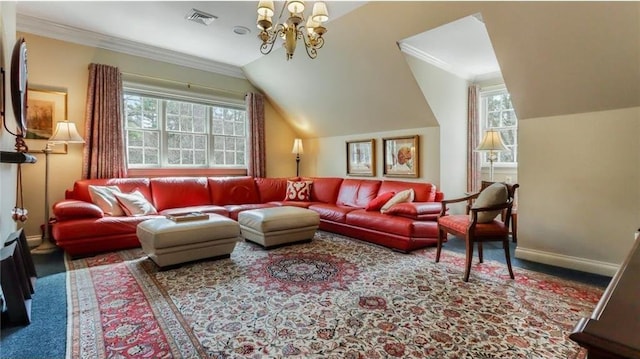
[[168, 243], [278, 225]]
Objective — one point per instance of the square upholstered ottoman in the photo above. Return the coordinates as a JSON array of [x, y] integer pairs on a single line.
[[278, 225], [168, 243]]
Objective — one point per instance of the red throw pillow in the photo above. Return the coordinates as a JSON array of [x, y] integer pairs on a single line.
[[379, 201], [298, 191]]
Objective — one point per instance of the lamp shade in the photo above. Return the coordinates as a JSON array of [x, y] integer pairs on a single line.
[[492, 141], [66, 132], [320, 13], [265, 8], [297, 147]]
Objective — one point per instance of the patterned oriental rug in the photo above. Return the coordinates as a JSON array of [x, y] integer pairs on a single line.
[[332, 298]]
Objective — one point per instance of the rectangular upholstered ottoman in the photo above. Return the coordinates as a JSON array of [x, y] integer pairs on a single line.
[[276, 226], [168, 243]]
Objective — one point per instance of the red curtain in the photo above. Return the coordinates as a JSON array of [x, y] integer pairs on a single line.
[[473, 157], [257, 152], [104, 150]]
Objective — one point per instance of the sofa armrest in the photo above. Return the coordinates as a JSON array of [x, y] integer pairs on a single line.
[[73, 209], [421, 211]]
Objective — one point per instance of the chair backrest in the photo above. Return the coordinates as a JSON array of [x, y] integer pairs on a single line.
[[511, 187]]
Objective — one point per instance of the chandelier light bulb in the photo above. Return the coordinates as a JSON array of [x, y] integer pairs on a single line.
[[295, 6], [320, 13], [265, 8]]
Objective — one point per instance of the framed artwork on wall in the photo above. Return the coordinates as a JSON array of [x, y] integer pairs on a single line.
[[44, 109], [401, 156], [361, 158]]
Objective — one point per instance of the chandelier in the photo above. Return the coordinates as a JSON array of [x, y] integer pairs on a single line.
[[293, 28]]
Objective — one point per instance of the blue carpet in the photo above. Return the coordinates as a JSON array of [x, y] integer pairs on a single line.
[[46, 336]]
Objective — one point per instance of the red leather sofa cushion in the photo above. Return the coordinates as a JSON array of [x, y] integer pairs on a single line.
[[424, 192], [423, 211], [401, 226], [331, 212], [72, 209], [357, 192], [271, 189], [176, 192], [81, 187], [234, 190], [325, 189]]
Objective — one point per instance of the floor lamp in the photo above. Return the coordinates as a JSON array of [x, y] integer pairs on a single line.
[[297, 150], [492, 143], [65, 132]]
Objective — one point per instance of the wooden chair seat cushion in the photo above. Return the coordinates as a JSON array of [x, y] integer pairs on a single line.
[[460, 222]]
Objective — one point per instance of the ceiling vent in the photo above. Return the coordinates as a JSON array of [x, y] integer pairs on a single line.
[[200, 17]]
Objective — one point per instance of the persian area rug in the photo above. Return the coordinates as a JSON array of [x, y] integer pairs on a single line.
[[332, 298]]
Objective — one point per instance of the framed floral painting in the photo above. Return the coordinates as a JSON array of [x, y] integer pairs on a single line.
[[401, 156]]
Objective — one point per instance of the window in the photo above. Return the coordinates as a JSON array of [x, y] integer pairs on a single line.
[[496, 112], [176, 132]]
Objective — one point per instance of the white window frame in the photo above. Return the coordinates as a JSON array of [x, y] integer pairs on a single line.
[[483, 125], [196, 98]]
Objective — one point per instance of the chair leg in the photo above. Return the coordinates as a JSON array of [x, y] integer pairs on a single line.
[[469, 258], [514, 227], [480, 252], [441, 235], [505, 244]]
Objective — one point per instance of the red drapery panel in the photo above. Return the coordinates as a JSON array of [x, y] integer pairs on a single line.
[[104, 150], [473, 157], [257, 152]]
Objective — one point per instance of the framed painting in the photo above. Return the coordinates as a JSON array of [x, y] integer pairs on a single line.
[[44, 109], [401, 156], [361, 158]]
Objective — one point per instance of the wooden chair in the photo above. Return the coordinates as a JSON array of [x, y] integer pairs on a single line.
[[514, 212], [467, 227]]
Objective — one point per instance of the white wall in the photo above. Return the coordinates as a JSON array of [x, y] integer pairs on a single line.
[[579, 200], [448, 99], [7, 141]]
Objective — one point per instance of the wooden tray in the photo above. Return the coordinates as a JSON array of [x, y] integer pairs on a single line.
[[196, 216]]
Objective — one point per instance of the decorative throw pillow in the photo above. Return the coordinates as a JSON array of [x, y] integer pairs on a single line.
[[379, 201], [493, 195], [135, 204], [104, 197], [403, 196], [298, 191]]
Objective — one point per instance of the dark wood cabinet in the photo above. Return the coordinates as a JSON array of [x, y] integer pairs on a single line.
[[613, 330], [18, 279]]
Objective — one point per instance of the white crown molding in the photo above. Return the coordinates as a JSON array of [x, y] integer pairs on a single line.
[[57, 31], [421, 55]]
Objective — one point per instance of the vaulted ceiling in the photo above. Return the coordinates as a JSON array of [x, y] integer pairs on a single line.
[[556, 58]]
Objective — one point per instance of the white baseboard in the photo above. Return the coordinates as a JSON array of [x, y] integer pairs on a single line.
[[560, 260], [34, 241]]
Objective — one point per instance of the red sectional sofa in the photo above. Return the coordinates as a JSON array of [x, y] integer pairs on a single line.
[[81, 227]]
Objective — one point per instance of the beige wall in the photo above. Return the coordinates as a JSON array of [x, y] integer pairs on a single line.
[[331, 158], [7, 142], [63, 66], [579, 200]]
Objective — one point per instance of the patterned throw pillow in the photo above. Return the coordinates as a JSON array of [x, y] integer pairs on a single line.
[[298, 191], [104, 197], [135, 204]]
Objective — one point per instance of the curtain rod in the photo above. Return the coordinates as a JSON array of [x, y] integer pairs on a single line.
[[187, 84]]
